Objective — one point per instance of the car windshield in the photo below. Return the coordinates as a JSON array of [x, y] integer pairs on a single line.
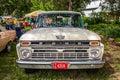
[[59, 20]]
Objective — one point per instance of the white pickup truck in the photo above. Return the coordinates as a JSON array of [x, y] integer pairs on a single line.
[[60, 41]]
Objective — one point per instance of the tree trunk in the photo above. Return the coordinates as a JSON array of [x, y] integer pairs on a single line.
[[70, 5]]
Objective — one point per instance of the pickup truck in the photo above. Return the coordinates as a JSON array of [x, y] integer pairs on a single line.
[[60, 41]]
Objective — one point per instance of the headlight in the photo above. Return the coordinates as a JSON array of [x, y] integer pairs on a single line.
[[25, 53], [95, 53]]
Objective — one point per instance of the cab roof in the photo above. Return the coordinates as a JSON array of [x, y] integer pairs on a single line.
[[61, 12]]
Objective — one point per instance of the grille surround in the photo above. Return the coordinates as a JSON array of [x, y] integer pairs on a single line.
[[60, 53]]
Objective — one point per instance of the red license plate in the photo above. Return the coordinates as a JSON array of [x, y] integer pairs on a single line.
[[60, 65]]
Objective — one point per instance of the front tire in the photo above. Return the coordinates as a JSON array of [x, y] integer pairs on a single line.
[[8, 47]]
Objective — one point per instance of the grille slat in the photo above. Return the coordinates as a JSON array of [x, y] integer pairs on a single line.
[[59, 43]]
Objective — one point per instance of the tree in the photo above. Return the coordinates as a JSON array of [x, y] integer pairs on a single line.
[[15, 7], [21, 7], [70, 4], [112, 6], [41, 4]]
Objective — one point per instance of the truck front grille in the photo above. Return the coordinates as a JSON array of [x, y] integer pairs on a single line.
[[60, 43], [60, 53]]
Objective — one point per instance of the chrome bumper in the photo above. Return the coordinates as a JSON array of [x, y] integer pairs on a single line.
[[71, 65]]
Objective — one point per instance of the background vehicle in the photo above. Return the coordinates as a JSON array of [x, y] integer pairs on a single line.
[[6, 36], [7, 19], [60, 42]]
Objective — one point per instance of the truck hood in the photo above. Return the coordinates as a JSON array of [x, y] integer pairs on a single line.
[[59, 34]]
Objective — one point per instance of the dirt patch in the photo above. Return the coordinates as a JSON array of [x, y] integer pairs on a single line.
[[112, 65], [112, 53]]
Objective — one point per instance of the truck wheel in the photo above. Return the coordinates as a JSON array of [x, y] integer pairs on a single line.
[[8, 48], [27, 71]]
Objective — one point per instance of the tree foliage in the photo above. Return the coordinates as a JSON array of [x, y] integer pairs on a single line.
[[21, 7], [14, 7]]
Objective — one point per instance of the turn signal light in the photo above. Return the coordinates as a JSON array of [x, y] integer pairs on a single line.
[[25, 43], [94, 43]]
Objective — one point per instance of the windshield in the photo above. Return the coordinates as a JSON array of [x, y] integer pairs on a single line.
[[59, 20]]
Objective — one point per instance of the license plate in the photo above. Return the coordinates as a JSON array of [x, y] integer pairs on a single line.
[[60, 65]]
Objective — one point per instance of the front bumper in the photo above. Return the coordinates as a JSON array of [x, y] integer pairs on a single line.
[[71, 64]]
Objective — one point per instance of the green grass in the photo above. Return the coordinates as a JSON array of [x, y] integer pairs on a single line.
[[9, 70]]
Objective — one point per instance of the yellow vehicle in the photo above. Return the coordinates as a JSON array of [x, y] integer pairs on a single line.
[[7, 19], [21, 20]]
